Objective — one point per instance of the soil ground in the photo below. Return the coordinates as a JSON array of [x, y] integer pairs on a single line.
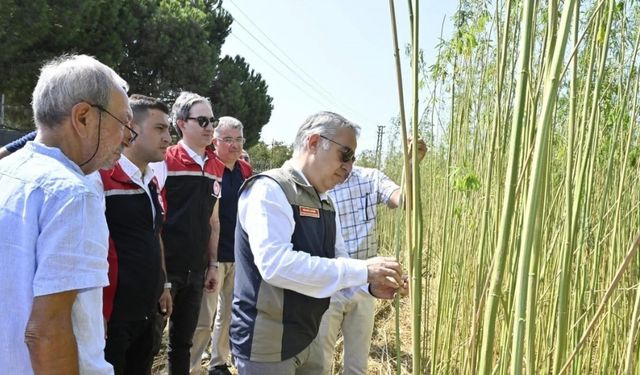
[[382, 353]]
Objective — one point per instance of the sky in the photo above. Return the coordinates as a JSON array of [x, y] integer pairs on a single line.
[[334, 55]]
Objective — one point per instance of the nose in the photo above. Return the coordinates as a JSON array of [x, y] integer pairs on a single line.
[[125, 136], [166, 136], [347, 166]]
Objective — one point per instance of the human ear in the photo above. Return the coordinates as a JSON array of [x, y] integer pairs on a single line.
[[81, 116], [313, 142]]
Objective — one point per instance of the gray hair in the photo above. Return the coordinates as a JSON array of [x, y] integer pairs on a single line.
[[67, 80], [228, 122], [323, 123], [182, 107]]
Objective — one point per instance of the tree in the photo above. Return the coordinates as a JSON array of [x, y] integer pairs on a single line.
[[173, 46], [36, 31], [160, 47], [240, 92], [264, 157]]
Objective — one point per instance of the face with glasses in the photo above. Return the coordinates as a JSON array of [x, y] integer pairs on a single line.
[[197, 128], [228, 142], [332, 164], [107, 129]]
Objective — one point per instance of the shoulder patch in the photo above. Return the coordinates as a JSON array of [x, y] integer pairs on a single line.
[[217, 189]]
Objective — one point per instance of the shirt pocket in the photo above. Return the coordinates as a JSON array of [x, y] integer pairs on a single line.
[[367, 208]]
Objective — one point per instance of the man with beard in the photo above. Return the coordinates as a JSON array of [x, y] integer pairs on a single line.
[[136, 260]]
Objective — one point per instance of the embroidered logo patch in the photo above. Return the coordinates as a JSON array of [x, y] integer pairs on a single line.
[[216, 189], [310, 212]]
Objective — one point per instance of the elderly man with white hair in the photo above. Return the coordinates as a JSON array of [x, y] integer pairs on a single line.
[[53, 232], [290, 256]]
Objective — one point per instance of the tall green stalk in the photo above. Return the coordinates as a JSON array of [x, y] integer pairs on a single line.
[[416, 222], [499, 258], [561, 331], [481, 277], [537, 179], [403, 127]]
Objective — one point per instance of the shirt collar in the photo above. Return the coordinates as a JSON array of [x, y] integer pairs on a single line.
[[192, 153], [54, 153], [323, 196], [134, 172]]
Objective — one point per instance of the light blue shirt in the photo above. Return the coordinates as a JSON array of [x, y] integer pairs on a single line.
[[53, 238]]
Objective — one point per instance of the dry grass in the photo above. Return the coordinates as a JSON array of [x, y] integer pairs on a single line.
[[381, 356]]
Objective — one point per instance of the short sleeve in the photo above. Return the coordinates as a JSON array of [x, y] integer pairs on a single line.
[[71, 250], [386, 187]]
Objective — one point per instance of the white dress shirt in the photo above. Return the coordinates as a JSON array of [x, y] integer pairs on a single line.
[[266, 215]]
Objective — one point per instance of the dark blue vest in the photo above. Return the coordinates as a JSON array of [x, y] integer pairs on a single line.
[[271, 324]]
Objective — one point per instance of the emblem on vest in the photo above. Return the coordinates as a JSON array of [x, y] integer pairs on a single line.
[[310, 212], [216, 188]]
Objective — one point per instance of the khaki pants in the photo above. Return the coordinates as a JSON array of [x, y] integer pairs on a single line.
[[353, 314], [298, 365], [216, 305], [220, 352]]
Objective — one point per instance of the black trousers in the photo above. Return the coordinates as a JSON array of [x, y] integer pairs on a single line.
[[186, 292], [129, 346]]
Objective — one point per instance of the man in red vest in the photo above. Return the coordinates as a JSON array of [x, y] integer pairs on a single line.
[[138, 286], [190, 177]]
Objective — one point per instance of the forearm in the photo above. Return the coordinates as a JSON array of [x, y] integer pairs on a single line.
[[53, 354], [163, 264], [50, 339], [213, 239]]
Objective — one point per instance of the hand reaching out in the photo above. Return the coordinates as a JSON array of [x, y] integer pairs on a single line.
[[385, 292]]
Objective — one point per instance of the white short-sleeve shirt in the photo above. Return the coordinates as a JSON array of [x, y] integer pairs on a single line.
[[53, 238]]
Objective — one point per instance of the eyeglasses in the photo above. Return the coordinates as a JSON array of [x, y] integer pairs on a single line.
[[230, 140], [348, 155], [134, 134], [204, 121]]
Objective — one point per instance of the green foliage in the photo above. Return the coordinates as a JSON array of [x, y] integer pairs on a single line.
[[159, 46], [34, 32], [240, 92], [367, 159], [465, 180], [265, 157], [171, 47]]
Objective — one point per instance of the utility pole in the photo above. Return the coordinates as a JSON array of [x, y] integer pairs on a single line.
[[2, 109], [379, 146]]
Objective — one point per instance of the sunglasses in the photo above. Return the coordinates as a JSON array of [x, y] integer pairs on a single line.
[[204, 121], [348, 155]]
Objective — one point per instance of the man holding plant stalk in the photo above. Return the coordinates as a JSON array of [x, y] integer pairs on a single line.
[[356, 198], [290, 257]]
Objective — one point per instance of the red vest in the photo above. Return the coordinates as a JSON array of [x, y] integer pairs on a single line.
[[191, 192]]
